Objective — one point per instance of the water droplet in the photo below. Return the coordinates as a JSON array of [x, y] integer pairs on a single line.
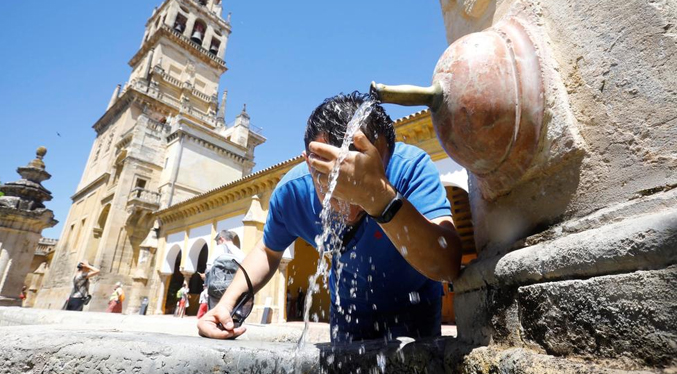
[[381, 362], [369, 278], [373, 306], [414, 297], [315, 317], [442, 241], [330, 359], [353, 255], [404, 251], [406, 229]]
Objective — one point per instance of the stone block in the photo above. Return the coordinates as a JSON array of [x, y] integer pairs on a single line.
[[625, 317], [523, 361]]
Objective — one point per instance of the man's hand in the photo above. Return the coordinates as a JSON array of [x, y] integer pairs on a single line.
[[217, 324], [362, 180]]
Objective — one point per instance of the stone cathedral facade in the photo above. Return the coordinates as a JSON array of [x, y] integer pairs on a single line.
[[162, 140]]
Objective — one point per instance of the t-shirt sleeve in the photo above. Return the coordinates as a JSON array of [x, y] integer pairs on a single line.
[[276, 234], [423, 188]]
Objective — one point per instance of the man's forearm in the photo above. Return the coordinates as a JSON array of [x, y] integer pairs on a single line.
[[432, 248], [260, 264]]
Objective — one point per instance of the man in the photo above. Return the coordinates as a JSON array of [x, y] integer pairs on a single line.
[[224, 239], [220, 270], [224, 245], [403, 242]]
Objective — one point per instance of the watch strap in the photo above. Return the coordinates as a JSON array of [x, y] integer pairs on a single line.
[[390, 210]]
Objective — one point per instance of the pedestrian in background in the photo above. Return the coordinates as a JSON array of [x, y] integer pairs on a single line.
[[182, 295], [204, 299], [80, 296], [116, 299]]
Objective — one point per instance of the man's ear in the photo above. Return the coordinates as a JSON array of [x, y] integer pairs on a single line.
[[307, 159]]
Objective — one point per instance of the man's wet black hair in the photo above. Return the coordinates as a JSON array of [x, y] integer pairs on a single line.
[[332, 116]]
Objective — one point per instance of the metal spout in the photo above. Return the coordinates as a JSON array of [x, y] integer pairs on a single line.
[[408, 95]]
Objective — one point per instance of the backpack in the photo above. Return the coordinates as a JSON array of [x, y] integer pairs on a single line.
[[220, 276], [121, 296]]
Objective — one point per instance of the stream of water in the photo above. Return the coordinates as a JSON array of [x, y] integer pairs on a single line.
[[329, 242]]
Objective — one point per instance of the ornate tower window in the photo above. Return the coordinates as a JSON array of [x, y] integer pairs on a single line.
[[214, 46], [198, 31], [180, 23]]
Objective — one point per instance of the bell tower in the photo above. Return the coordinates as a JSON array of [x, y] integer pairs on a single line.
[[163, 139]]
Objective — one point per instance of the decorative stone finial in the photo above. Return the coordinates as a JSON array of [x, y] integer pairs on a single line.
[[39, 154], [244, 109]]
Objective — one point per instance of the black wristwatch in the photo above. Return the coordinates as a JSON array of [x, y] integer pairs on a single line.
[[391, 209]]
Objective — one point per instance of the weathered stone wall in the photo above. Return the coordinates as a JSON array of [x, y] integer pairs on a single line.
[[577, 261]]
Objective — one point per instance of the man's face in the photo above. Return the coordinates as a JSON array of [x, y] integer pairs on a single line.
[[354, 212]]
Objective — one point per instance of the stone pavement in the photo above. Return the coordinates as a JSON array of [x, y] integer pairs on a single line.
[[318, 332], [48, 341]]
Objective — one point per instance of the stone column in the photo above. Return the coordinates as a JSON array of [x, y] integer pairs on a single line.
[[281, 292], [207, 39], [189, 26], [171, 15]]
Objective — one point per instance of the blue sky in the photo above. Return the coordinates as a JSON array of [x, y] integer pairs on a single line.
[[62, 59]]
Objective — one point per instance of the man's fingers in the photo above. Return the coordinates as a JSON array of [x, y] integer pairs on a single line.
[[361, 142], [320, 164], [210, 327], [326, 151]]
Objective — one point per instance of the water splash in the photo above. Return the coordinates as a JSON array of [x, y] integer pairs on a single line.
[[334, 222], [381, 361]]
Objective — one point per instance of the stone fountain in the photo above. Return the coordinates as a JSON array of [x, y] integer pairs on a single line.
[[564, 115], [23, 216]]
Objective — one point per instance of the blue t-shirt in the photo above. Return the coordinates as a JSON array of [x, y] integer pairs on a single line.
[[376, 273]]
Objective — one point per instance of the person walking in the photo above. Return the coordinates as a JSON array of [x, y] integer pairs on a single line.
[[22, 295], [116, 299], [204, 300], [79, 295], [182, 295]]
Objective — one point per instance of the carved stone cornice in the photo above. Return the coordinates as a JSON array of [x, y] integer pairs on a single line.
[[197, 50], [178, 134], [253, 184], [102, 179], [414, 128], [26, 220]]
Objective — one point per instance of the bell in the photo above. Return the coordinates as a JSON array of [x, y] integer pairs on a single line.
[[178, 27], [213, 49], [196, 37]]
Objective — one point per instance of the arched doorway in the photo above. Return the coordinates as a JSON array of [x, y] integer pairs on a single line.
[[175, 282], [195, 284]]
